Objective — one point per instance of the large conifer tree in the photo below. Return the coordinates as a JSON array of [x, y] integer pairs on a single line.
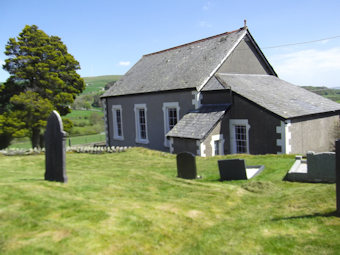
[[42, 71]]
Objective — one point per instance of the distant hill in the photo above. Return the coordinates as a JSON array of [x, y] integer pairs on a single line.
[[330, 93], [97, 83], [94, 88]]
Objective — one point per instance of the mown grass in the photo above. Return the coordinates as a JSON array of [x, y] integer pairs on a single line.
[[132, 203]]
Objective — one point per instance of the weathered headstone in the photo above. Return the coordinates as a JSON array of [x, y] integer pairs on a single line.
[[232, 169], [321, 166], [318, 167], [55, 152], [337, 173], [186, 165]]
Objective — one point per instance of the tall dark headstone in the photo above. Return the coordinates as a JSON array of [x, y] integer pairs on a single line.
[[55, 152], [337, 176], [186, 165]]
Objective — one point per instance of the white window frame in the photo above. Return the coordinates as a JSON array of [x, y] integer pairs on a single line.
[[137, 107], [221, 141], [165, 108], [115, 123], [232, 124]]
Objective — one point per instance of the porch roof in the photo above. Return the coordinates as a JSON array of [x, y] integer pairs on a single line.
[[198, 124]]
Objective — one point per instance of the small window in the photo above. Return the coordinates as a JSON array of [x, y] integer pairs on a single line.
[[117, 122], [141, 123], [172, 113], [239, 135], [171, 117], [217, 145], [241, 138]]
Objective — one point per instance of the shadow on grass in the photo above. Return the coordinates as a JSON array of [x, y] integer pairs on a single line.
[[309, 216]]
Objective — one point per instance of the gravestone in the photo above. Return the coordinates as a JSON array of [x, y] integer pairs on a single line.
[[337, 173], [232, 169], [318, 167], [321, 166], [186, 165], [55, 152]]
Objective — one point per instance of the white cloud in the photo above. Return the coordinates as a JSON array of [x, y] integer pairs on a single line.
[[309, 67], [124, 63], [205, 24], [207, 6]]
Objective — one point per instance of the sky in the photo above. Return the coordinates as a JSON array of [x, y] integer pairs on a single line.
[[109, 37]]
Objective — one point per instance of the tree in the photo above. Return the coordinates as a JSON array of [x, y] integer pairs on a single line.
[[97, 102], [33, 111], [109, 85], [40, 67]]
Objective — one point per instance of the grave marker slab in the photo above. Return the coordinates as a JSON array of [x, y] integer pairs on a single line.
[[55, 149], [232, 169], [186, 165], [337, 173], [236, 169], [318, 167]]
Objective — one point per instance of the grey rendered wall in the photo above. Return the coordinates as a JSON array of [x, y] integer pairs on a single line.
[[155, 123], [216, 97], [262, 132], [244, 60], [184, 144], [313, 134]]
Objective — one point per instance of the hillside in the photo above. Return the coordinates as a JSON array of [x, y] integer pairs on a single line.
[[132, 203], [97, 83], [87, 115], [90, 98], [330, 93]]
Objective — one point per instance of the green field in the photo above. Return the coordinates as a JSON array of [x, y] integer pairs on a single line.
[[86, 122], [132, 203], [24, 143], [97, 83], [330, 93]]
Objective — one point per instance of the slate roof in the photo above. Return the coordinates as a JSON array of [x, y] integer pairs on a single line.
[[213, 84], [187, 66], [198, 124], [278, 96]]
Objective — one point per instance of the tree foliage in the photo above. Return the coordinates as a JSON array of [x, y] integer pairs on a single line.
[[33, 110], [40, 70]]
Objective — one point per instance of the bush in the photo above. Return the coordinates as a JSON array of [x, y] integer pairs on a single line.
[[95, 118]]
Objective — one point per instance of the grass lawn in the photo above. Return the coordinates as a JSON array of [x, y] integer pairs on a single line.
[[85, 139], [132, 203], [82, 114], [24, 143]]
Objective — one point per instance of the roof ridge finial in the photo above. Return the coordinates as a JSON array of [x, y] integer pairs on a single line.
[[245, 23]]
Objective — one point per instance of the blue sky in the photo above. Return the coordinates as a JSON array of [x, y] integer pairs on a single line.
[[108, 37]]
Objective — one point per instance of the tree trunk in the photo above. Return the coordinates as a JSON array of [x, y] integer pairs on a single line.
[[42, 141], [35, 139]]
